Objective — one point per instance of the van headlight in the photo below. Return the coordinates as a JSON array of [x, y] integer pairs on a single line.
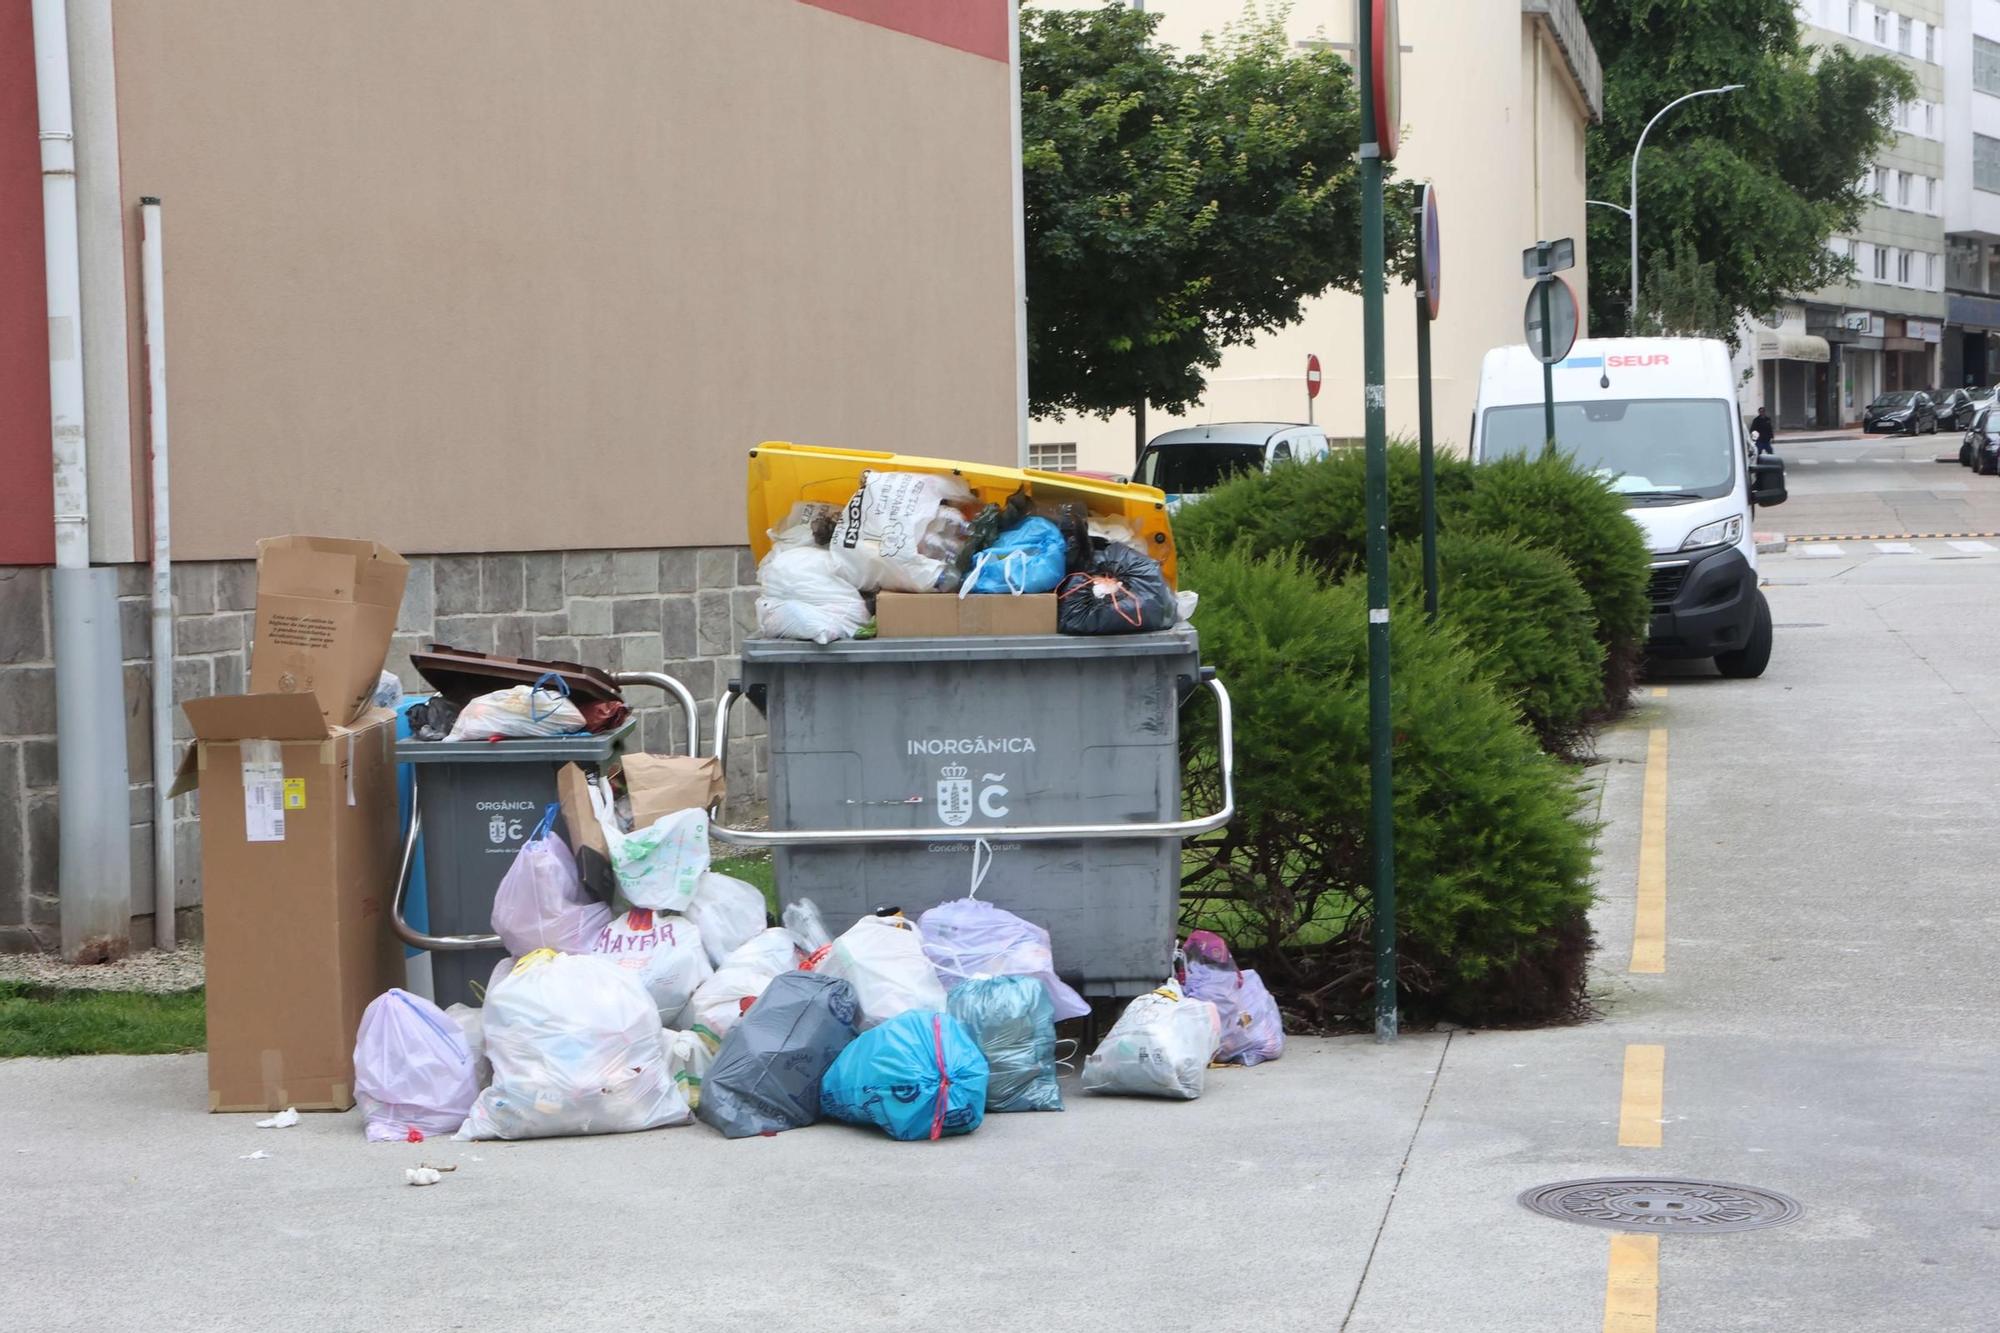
[[1722, 532]]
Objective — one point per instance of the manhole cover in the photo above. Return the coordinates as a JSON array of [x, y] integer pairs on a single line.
[[1684, 1207]]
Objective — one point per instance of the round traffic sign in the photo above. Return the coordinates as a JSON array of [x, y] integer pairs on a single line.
[[1552, 345], [1312, 375], [1428, 274], [1385, 60]]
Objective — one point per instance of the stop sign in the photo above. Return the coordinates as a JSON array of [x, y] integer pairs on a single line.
[[1312, 375]]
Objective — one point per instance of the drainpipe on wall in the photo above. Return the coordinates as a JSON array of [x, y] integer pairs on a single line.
[[152, 276], [95, 872]]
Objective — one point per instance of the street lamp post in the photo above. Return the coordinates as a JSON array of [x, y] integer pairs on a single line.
[[1632, 315]]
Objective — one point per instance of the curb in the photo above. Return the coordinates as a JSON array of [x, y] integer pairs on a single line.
[[1770, 543]]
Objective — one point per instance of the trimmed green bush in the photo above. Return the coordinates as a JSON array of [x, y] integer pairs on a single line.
[[1317, 508], [1493, 865], [1521, 611], [1552, 503]]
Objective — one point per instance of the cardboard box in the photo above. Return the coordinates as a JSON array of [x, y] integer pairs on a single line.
[[326, 608], [299, 856], [926, 615]]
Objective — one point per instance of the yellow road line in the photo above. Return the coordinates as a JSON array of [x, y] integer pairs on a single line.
[[1659, 691], [1639, 1105], [1649, 923], [1632, 1285]]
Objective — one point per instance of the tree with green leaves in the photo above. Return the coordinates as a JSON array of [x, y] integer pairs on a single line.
[[1177, 204], [1756, 181], [1679, 298]]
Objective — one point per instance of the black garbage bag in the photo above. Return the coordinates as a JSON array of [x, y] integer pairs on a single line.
[[766, 1076], [1123, 592]]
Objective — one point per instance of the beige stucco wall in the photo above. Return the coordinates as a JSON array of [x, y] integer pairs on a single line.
[[1485, 99], [503, 275]]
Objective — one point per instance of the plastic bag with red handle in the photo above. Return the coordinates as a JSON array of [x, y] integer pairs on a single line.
[[1123, 592]]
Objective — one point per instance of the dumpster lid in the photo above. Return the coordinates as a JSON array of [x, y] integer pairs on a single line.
[[591, 749], [782, 474], [462, 675], [1179, 641]]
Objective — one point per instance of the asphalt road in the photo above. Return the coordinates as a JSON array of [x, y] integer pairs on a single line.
[[1808, 858], [1876, 486]]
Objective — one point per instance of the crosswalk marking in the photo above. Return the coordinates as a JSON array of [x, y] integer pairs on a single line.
[[1895, 548], [1975, 548], [1821, 552]]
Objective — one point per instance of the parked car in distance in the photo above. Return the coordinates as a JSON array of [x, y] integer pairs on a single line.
[[1190, 462], [1980, 449], [1903, 412], [1960, 406]]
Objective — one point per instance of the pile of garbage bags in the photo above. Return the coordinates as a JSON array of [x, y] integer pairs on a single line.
[[914, 532], [613, 1017]]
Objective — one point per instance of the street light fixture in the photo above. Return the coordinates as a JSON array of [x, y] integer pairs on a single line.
[[1632, 315]]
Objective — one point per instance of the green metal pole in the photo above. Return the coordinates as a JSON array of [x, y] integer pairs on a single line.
[[1425, 447], [1381, 807], [1548, 369]]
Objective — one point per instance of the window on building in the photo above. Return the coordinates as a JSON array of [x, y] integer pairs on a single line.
[[1930, 195], [1902, 189], [1930, 120], [1881, 263], [1986, 65], [1986, 163], [1881, 28], [1053, 457], [1963, 262], [1930, 43], [1853, 28], [1903, 33], [1930, 273], [1881, 190], [1903, 258]]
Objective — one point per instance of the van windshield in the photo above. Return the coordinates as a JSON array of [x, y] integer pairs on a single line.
[[1197, 467], [1658, 450]]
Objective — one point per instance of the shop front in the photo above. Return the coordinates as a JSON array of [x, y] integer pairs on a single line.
[[1971, 346]]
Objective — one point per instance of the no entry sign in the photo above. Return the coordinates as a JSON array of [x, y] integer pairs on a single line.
[[1312, 376]]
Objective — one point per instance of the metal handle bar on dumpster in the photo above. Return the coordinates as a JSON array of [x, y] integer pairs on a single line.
[[1179, 828], [417, 939]]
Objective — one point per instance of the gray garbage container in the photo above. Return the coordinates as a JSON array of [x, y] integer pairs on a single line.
[[891, 759], [474, 804]]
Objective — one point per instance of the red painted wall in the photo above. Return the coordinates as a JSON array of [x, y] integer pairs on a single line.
[[27, 530], [978, 26]]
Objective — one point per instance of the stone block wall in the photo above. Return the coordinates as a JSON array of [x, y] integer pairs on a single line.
[[684, 611]]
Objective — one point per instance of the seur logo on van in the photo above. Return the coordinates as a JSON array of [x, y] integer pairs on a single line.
[[1639, 360]]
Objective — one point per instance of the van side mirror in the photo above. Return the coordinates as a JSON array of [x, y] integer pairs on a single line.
[[1767, 481]]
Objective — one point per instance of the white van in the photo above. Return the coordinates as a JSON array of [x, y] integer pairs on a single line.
[[1657, 418], [1193, 461]]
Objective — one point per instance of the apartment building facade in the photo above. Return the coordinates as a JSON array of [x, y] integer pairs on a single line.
[[1972, 194], [1819, 359]]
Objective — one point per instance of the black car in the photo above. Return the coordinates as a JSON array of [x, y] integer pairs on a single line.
[[1960, 406], [1904, 412], [1980, 450]]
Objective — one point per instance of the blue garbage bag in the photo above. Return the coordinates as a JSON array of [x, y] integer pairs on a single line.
[[1029, 557], [1014, 1022], [920, 1075]]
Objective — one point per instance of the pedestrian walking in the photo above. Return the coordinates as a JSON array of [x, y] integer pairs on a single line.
[[1761, 430]]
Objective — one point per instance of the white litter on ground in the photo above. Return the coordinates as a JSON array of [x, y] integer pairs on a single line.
[[258, 1156], [284, 1119], [422, 1175]]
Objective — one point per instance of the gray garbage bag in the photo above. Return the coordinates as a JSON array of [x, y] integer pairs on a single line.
[[766, 1076], [1014, 1022]]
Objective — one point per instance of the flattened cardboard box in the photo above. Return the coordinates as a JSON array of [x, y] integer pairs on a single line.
[[326, 609], [928, 615], [298, 862]]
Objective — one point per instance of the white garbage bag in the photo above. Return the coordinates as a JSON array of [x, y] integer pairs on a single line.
[[728, 911], [805, 596], [688, 1057], [879, 542], [520, 712], [882, 957], [658, 866], [665, 952], [576, 1049], [742, 977], [472, 1026], [541, 903], [412, 1069], [1159, 1047]]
